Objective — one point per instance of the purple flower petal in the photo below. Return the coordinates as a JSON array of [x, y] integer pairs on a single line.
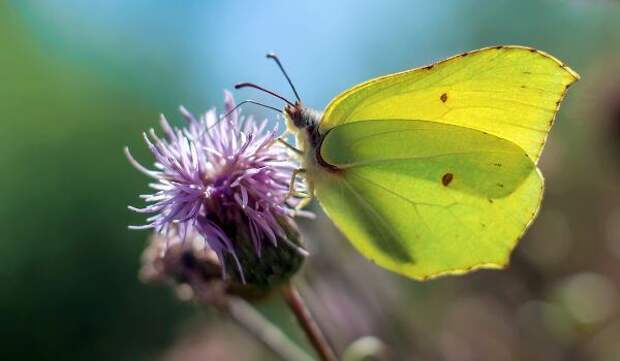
[[215, 173]]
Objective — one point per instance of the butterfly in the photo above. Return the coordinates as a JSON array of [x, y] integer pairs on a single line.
[[433, 171]]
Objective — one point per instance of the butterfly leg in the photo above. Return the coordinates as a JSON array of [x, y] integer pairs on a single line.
[[291, 186], [291, 147], [303, 202], [304, 197]]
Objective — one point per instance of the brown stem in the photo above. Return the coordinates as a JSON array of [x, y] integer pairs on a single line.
[[248, 318], [264, 331], [307, 323]]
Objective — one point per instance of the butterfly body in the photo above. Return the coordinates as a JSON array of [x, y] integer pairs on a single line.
[[304, 123], [433, 171]]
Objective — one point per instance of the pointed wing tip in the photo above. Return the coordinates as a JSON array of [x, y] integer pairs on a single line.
[[573, 73], [562, 65]]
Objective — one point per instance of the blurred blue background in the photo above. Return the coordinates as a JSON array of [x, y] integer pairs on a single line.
[[80, 80]]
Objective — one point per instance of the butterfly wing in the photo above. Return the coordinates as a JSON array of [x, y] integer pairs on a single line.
[[508, 91], [425, 199]]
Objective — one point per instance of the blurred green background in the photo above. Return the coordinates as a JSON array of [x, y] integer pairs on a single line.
[[80, 80]]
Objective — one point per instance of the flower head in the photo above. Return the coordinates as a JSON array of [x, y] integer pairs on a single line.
[[225, 179]]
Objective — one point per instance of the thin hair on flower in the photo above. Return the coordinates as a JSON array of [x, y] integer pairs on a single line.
[[217, 175]]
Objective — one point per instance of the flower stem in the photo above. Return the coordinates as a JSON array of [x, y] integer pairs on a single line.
[[307, 323], [248, 318], [257, 325]]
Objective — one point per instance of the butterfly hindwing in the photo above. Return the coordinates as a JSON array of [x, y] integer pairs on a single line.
[[425, 199]]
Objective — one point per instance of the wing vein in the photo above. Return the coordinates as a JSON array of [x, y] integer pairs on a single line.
[[435, 156], [371, 209]]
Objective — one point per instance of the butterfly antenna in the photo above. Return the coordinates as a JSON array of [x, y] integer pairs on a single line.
[[250, 101], [277, 60], [252, 85]]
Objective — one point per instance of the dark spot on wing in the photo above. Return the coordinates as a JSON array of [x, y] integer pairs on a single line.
[[523, 87], [447, 179], [444, 97], [527, 72], [490, 200], [497, 164], [500, 185], [429, 67], [532, 50], [464, 54], [499, 47]]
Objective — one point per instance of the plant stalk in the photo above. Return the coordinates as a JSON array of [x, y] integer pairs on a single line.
[[264, 331], [248, 318], [307, 323]]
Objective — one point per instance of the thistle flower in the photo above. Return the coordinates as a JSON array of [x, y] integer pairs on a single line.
[[226, 180]]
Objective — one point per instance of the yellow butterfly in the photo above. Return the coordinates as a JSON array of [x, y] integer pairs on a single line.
[[432, 171]]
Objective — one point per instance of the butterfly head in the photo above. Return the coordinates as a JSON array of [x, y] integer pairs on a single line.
[[301, 117]]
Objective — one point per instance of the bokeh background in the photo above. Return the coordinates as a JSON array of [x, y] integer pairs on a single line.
[[81, 79]]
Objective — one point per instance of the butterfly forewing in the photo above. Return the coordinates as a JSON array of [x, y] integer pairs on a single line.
[[509, 91]]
